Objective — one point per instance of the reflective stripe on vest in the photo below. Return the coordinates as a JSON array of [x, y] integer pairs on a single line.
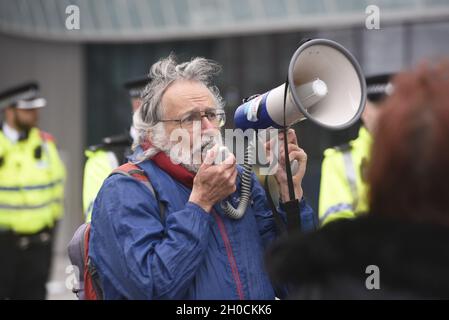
[[36, 187], [336, 208], [351, 176], [29, 207]]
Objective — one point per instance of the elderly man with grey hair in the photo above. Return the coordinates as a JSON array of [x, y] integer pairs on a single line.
[[177, 243]]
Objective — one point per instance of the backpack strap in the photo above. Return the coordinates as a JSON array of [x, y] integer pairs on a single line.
[[92, 286], [134, 171]]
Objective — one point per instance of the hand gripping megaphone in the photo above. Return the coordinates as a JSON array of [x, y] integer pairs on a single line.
[[325, 84]]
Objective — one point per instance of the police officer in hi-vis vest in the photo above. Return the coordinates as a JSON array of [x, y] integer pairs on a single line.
[[343, 190], [112, 152], [31, 195]]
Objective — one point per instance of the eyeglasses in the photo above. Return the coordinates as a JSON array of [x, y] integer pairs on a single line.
[[216, 117]]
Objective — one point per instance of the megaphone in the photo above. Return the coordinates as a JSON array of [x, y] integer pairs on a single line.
[[325, 85]]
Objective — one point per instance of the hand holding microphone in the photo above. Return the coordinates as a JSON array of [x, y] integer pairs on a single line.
[[214, 183]]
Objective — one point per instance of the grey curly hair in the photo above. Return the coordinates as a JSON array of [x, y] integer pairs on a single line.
[[162, 74]]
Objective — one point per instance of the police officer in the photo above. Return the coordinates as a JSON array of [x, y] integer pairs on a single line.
[[343, 190], [112, 152], [31, 195]]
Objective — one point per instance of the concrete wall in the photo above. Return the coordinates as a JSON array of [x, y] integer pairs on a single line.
[[394, 47], [59, 70]]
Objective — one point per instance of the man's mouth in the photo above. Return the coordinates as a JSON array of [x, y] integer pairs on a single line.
[[208, 144]]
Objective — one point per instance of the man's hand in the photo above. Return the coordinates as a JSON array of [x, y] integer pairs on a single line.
[[213, 183], [294, 153]]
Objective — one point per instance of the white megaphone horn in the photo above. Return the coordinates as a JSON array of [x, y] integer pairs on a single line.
[[325, 85]]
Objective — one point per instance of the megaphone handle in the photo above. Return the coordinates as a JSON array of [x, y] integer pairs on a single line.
[[288, 169], [291, 206]]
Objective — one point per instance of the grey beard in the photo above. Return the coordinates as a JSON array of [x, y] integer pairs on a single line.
[[208, 143]]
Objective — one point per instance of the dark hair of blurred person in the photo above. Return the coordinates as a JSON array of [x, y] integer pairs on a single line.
[[406, 233], [409, 176]]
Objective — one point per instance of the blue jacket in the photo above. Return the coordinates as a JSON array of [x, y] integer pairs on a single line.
[[193, 254]]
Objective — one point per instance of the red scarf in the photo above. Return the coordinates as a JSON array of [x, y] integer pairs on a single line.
[[176, 171]]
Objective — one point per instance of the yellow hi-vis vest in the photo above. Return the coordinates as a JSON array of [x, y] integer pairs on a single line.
[[343, 190], [31, 183], [98, 166]]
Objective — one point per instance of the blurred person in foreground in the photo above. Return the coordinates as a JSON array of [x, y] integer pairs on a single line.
[[31, 195], [193, 251], [405, 235]]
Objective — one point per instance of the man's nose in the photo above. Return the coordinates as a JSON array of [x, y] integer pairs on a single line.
[[206, 124]]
